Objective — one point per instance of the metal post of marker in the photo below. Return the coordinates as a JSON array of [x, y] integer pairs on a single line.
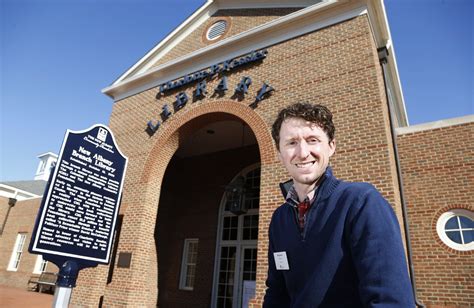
[[66, 281]]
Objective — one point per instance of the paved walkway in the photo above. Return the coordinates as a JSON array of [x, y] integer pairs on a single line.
[[19, 298]]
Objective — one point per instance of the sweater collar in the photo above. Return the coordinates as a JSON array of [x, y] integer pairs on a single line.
[[326, 187]]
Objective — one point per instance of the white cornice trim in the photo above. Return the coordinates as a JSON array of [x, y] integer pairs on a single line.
[[13, 192], [434, 125], [48, 153], [383, 38], [286, 27]]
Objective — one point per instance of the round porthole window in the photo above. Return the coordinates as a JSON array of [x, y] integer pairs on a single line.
[[216, 30], [456, 229]]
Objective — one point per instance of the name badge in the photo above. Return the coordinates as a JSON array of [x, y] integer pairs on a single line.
[[281, 261]]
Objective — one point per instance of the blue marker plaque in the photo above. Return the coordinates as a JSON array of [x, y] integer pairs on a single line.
[[80, 207]]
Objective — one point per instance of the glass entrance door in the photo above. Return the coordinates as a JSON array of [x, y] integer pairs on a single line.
[[236, 253], [227, 281], [248, 271], [237, 275]]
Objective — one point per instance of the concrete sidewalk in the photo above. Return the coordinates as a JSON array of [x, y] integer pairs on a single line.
[[19, 298]]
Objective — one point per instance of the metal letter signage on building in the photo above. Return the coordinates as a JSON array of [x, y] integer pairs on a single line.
[[200, 91], [81, 204], [212, 70]]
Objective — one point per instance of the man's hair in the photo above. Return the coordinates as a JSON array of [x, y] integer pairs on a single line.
[[317, 114]]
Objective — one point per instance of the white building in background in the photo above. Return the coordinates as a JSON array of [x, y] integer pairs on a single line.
[[28, 189]]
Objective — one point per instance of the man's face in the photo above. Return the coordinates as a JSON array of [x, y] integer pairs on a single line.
[[304, 150]]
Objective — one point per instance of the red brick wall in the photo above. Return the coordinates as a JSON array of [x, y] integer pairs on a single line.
[[90, 288], [438, 174], [336, 66], [20, 220]]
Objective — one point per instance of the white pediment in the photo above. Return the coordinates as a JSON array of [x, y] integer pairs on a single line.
[[147, 73], [200, 16]]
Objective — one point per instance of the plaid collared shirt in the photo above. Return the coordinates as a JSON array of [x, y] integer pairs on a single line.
[[301, 207]]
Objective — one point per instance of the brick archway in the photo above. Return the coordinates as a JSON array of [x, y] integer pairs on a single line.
[[142, 276], [169, 135]]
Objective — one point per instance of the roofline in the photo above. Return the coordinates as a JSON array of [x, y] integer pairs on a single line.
[[116, 90], [199, 13], [48, 153], [434, 125], [196, 18], [275, 31], [17, 191], [383, 38], [254, 4]]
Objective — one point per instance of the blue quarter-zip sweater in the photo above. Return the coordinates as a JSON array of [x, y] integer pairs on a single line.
[[350, 253]]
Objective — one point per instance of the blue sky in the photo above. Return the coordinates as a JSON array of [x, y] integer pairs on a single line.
[[57, 56]]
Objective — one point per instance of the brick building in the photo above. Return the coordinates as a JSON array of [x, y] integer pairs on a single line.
[[19, 203], [437, 162], [193, 116]]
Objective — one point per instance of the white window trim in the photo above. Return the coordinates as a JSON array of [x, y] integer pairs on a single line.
[[17, 252], [184, 264], [440, 229], [40, 265]]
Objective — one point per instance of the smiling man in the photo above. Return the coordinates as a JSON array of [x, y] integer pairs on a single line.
[[332, 243]]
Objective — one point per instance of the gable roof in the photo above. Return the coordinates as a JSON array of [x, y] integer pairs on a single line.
[[195, 20], [315, 15]]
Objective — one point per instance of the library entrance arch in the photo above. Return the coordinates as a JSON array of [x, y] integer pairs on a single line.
[[196, 235]]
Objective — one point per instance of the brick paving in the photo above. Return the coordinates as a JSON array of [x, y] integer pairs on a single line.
[[18, 298]]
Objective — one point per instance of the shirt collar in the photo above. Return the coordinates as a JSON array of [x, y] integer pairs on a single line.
[[292, 196]]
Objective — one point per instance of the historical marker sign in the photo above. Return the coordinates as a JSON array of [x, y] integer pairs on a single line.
[[80, 208]]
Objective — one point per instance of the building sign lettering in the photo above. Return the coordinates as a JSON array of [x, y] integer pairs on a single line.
[[201, 89], [212, 71]]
